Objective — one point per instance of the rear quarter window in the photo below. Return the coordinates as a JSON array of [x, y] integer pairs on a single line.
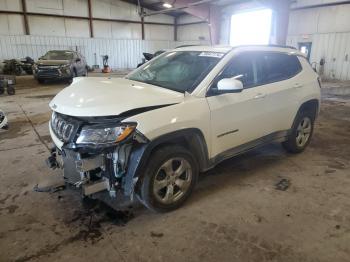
[[274, 67]]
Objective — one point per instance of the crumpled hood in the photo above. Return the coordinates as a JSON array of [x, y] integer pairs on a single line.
[[53, 62], [101, 96]]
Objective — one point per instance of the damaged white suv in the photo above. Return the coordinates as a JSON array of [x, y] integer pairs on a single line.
[[151, 133]]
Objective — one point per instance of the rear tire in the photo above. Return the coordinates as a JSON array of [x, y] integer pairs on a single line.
[[301, 133], [169, 179]]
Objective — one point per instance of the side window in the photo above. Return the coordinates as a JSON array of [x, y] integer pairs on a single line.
[[241, 67], [274, 67]]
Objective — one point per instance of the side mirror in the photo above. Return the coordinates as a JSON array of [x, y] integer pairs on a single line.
[[77, 60], [230, 85]]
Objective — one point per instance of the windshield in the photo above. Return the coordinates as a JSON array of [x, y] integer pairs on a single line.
[[180, 71], [58, 55]]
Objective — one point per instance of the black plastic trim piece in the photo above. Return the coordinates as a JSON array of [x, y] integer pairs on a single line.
[[140, 110], [276, 136], [140, 155], [227, 133]]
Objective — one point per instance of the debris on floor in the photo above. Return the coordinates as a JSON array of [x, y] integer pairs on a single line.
[[106, 212], [49, 189], [283, 184], [155, 234]]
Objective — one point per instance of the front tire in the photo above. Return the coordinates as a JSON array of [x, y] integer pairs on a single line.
[[41, 81], [169, 179], [11, 90], [301, 133]]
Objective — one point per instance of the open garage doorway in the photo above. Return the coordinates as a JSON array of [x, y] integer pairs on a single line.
[[251, 28]]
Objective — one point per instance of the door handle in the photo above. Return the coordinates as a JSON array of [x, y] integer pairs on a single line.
[[260, 95], [297, 85]]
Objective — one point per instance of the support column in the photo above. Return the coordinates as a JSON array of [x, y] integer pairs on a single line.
[[214, 25], [25, 17], [281, 21], [142, 25], [206, 12], [175, 29], [90, 19]]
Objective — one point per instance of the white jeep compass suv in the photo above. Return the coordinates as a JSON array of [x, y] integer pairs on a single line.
[[152, 132]]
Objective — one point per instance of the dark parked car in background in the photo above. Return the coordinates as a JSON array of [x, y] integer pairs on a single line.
[[60, 65], [149, 56]]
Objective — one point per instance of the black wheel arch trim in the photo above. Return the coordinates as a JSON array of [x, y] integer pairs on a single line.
[[194, 142], [312, 105]]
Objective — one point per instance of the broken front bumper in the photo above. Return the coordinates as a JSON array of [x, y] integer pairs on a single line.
[[84, 173], [108, 170]]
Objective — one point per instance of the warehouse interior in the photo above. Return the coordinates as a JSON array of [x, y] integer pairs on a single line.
[[263, 205]]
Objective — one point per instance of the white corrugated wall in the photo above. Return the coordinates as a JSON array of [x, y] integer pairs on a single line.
[[334, 48], [328, 28], [122, 53]]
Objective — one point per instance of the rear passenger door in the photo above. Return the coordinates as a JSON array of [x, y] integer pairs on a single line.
[[279, 81]]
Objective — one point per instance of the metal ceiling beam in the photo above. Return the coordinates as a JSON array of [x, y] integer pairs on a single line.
[[321, 5], [82, 17], [153, 6], [179, 7]]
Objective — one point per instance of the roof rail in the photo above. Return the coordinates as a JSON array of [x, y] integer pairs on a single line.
[[185, 46], [272, 45], [284, 46]]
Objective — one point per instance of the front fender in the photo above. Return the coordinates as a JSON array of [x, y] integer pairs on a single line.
[[192, 139], [164, 125]]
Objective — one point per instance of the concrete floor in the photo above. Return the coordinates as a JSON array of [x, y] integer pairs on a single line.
[[235, 213]]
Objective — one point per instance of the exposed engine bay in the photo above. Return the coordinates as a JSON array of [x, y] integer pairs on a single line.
[[90, 164]]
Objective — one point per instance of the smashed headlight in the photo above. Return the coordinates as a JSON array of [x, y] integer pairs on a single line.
[[105, 136], [65, 69]]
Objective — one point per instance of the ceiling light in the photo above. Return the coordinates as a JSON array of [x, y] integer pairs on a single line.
[[167, 5]]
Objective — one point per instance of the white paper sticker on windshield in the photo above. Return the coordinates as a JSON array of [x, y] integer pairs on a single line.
[[212, 54]]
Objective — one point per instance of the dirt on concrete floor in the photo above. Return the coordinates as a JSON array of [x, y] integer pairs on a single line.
[[235, 213]]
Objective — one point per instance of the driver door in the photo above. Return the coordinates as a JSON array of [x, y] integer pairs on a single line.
[[236, 117]]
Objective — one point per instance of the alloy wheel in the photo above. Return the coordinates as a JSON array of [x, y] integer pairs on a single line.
[[303, 132], [172, 181]]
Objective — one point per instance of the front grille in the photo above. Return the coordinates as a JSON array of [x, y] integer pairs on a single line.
[[2, 117], [63, 127], [49, 71]]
